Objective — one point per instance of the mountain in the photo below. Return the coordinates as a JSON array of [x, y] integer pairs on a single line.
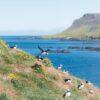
[[86, 27], [23, 77]]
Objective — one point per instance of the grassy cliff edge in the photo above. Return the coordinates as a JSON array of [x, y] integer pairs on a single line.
[[23, 77]]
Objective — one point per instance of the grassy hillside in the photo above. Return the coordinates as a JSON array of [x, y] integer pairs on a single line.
[[22, 77], [86, 27], [83, 32]]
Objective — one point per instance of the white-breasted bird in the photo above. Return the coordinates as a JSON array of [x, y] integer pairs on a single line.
[[87, 82], [80, 86], [39, 58], [60, 67], [43, 52], [65, 72], [67, 93], [13, 47], [91, 91], [68, 81]]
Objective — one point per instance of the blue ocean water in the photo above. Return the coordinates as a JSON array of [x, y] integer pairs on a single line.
[[83, 64]]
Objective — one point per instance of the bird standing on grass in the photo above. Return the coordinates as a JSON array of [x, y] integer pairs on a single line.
[[68, 81], [13, 47], [60, 67], [39, 58], [80, 86], [87, 82], [67, 93], [91, 91]]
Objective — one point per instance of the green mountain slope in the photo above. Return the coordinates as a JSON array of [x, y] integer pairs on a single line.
[[23, 77], [86, 27]]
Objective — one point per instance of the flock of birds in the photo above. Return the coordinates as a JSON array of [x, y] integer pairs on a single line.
[[67, 93], [67, 81], [79, 87]]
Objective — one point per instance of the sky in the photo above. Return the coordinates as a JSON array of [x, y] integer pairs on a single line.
[[43, 15]]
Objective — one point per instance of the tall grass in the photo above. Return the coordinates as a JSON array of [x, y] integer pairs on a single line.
[[3, 96]]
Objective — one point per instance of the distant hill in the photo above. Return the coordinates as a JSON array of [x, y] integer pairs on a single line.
[[86, 27]]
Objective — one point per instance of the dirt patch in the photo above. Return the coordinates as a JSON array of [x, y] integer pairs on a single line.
[[10, 92]]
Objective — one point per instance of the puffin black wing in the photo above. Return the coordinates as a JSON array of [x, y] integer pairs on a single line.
[[48, 50], [64, 95], [40, 48]]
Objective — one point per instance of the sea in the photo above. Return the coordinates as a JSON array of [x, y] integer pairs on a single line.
[[84, 64]]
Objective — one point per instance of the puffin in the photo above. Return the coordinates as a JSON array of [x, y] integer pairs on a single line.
[[80, 86], [60, 67], [43, 52], [68, 81], [91, 91], [67, 93], [13, 47]]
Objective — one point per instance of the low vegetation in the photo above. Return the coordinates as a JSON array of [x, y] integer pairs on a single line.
[[86, 27], [23, 77]]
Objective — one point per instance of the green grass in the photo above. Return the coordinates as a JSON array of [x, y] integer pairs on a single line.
[[82, 32], [17, 84], [47, 62], [3, 96], [4, 69], [28, 86]]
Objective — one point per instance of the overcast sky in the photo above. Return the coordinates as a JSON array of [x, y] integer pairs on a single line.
[[46, 15]]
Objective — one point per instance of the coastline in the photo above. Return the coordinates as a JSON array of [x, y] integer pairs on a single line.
[[20, 72]]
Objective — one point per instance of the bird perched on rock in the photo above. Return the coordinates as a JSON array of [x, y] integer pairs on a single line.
[[67, 93], [80, 86]]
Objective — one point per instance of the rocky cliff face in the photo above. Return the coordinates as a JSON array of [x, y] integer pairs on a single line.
[[90, 20], [86, 27]]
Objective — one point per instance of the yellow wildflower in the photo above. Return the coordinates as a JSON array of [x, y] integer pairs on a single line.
[[34, 60], [12, 76], [45, 59]]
